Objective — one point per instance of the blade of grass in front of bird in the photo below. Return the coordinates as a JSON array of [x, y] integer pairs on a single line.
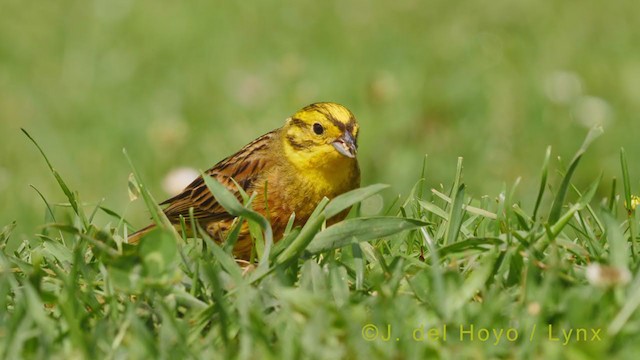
[[306, 235], [225, 259], [233, 235], [230, 203], [183, 226], [212, 271], [287, 239], [356, 230], [243, 194], [255, 229], [344, 201], [185, 261], [290, 223], [258, 241], [193, 224]]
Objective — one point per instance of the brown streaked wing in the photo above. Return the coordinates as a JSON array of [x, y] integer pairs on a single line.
[[245, 167]]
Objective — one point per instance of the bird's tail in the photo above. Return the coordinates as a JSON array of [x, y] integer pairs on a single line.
[[136, 236]]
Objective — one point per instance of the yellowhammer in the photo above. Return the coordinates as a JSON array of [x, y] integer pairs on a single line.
[[312, 156]]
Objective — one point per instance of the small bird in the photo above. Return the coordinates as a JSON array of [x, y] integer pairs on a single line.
[[312, 156]]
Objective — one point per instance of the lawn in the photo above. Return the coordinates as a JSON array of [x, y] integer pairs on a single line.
[[436, 274], [513, 238]]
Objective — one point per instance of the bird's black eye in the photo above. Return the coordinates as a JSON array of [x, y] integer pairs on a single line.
[[318, 129]]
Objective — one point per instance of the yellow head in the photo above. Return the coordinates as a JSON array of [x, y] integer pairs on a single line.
[[320, 135]]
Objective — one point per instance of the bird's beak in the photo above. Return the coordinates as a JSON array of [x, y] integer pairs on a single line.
[[346, 145]]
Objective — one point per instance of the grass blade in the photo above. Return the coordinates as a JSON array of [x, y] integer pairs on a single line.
[[353, 231], [306, 235], [558, 201], [474, 282], [456, 214], [543, 182], [65, 189], [626, 182], [628, 200], [344, 201]]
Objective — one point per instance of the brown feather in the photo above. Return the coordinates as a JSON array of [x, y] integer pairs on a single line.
[[245, 167]]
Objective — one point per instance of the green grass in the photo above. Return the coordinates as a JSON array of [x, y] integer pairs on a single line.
[[433, 263]]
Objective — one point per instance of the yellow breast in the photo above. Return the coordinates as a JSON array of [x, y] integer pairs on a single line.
[[308, 177]]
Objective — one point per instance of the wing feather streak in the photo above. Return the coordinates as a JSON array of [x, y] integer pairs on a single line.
[[245, 167]]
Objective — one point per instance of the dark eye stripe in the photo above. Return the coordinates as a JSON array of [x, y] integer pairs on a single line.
[[297, 122], [304, 145], [335, 122]]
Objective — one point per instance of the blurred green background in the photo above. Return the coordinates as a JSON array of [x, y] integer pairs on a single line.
[[187, 83]]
